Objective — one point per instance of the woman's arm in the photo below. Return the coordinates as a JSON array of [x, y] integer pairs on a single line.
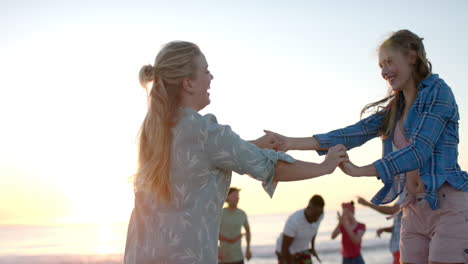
[[351, 136], [227, 151], [301, 170], [388, 210], [266, 142], [284, 143], [352, 170]]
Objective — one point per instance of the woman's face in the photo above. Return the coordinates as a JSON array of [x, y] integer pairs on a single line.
[[396, 69], [201, 82]]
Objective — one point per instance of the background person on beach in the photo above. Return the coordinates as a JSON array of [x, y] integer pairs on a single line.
[[393, 210], [292, 246], [186, 160], [418, 123], [351, 235], [232, 221]]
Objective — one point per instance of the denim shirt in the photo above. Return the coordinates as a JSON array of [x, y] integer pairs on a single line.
[[431, 125]]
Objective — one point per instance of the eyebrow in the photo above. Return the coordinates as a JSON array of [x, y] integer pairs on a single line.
[[384, 60], [388, 58]]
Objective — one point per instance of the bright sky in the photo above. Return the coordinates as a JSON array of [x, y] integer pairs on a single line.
[[71, 105]]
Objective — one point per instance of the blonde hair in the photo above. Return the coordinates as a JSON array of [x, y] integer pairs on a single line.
[[174, 62], [404, 41]]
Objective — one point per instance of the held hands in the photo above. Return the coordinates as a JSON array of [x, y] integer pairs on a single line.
[[336, 155], [355, 171], [281, 142], [349, 168], [267, 141]]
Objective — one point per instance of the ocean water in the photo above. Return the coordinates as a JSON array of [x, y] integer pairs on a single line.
[[104, 243]]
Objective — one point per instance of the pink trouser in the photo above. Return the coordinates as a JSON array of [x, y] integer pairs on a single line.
[[435, 235]]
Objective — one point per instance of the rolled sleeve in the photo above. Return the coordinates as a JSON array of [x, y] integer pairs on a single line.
[[325, 143], [382, 171], [227, 151]]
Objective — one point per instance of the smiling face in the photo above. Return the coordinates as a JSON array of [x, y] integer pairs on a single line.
[[200, 83], [397, 69]]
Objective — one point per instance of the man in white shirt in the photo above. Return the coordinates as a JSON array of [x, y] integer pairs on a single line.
[[292, 246]]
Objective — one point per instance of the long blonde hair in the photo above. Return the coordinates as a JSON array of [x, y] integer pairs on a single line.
[[404, 41], [174, 62]]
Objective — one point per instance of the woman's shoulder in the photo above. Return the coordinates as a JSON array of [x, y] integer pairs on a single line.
[[204, 127], [191, 118], [435, 87]]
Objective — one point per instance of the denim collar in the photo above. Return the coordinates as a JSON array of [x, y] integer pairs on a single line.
[[429, 81]]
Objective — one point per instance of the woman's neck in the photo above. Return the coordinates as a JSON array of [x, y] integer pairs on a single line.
[[410, 94]]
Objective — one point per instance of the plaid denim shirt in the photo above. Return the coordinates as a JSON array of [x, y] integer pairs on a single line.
[[431, 125]]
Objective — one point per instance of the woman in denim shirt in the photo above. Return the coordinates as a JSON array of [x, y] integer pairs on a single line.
[[418, 123], [186, 160]]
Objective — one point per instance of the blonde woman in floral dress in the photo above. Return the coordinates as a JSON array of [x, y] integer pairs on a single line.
[[186, 160]]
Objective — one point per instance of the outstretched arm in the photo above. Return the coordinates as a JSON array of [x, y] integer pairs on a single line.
[[284, 143], [350, 136], [301, 170], [384, 209], [355, 171]]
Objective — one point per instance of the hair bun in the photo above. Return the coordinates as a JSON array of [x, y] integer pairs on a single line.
[[146, 75]]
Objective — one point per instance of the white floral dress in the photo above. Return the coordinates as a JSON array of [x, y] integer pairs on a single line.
[[185, 231]]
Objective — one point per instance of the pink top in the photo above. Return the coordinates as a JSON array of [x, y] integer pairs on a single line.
[[399, 138]]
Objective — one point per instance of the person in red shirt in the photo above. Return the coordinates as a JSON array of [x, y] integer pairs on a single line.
[[352, 232]]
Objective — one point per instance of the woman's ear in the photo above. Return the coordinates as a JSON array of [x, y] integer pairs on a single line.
[[187, 85], [412, 57]]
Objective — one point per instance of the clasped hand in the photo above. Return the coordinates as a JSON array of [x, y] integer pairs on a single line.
[[336, 157]]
